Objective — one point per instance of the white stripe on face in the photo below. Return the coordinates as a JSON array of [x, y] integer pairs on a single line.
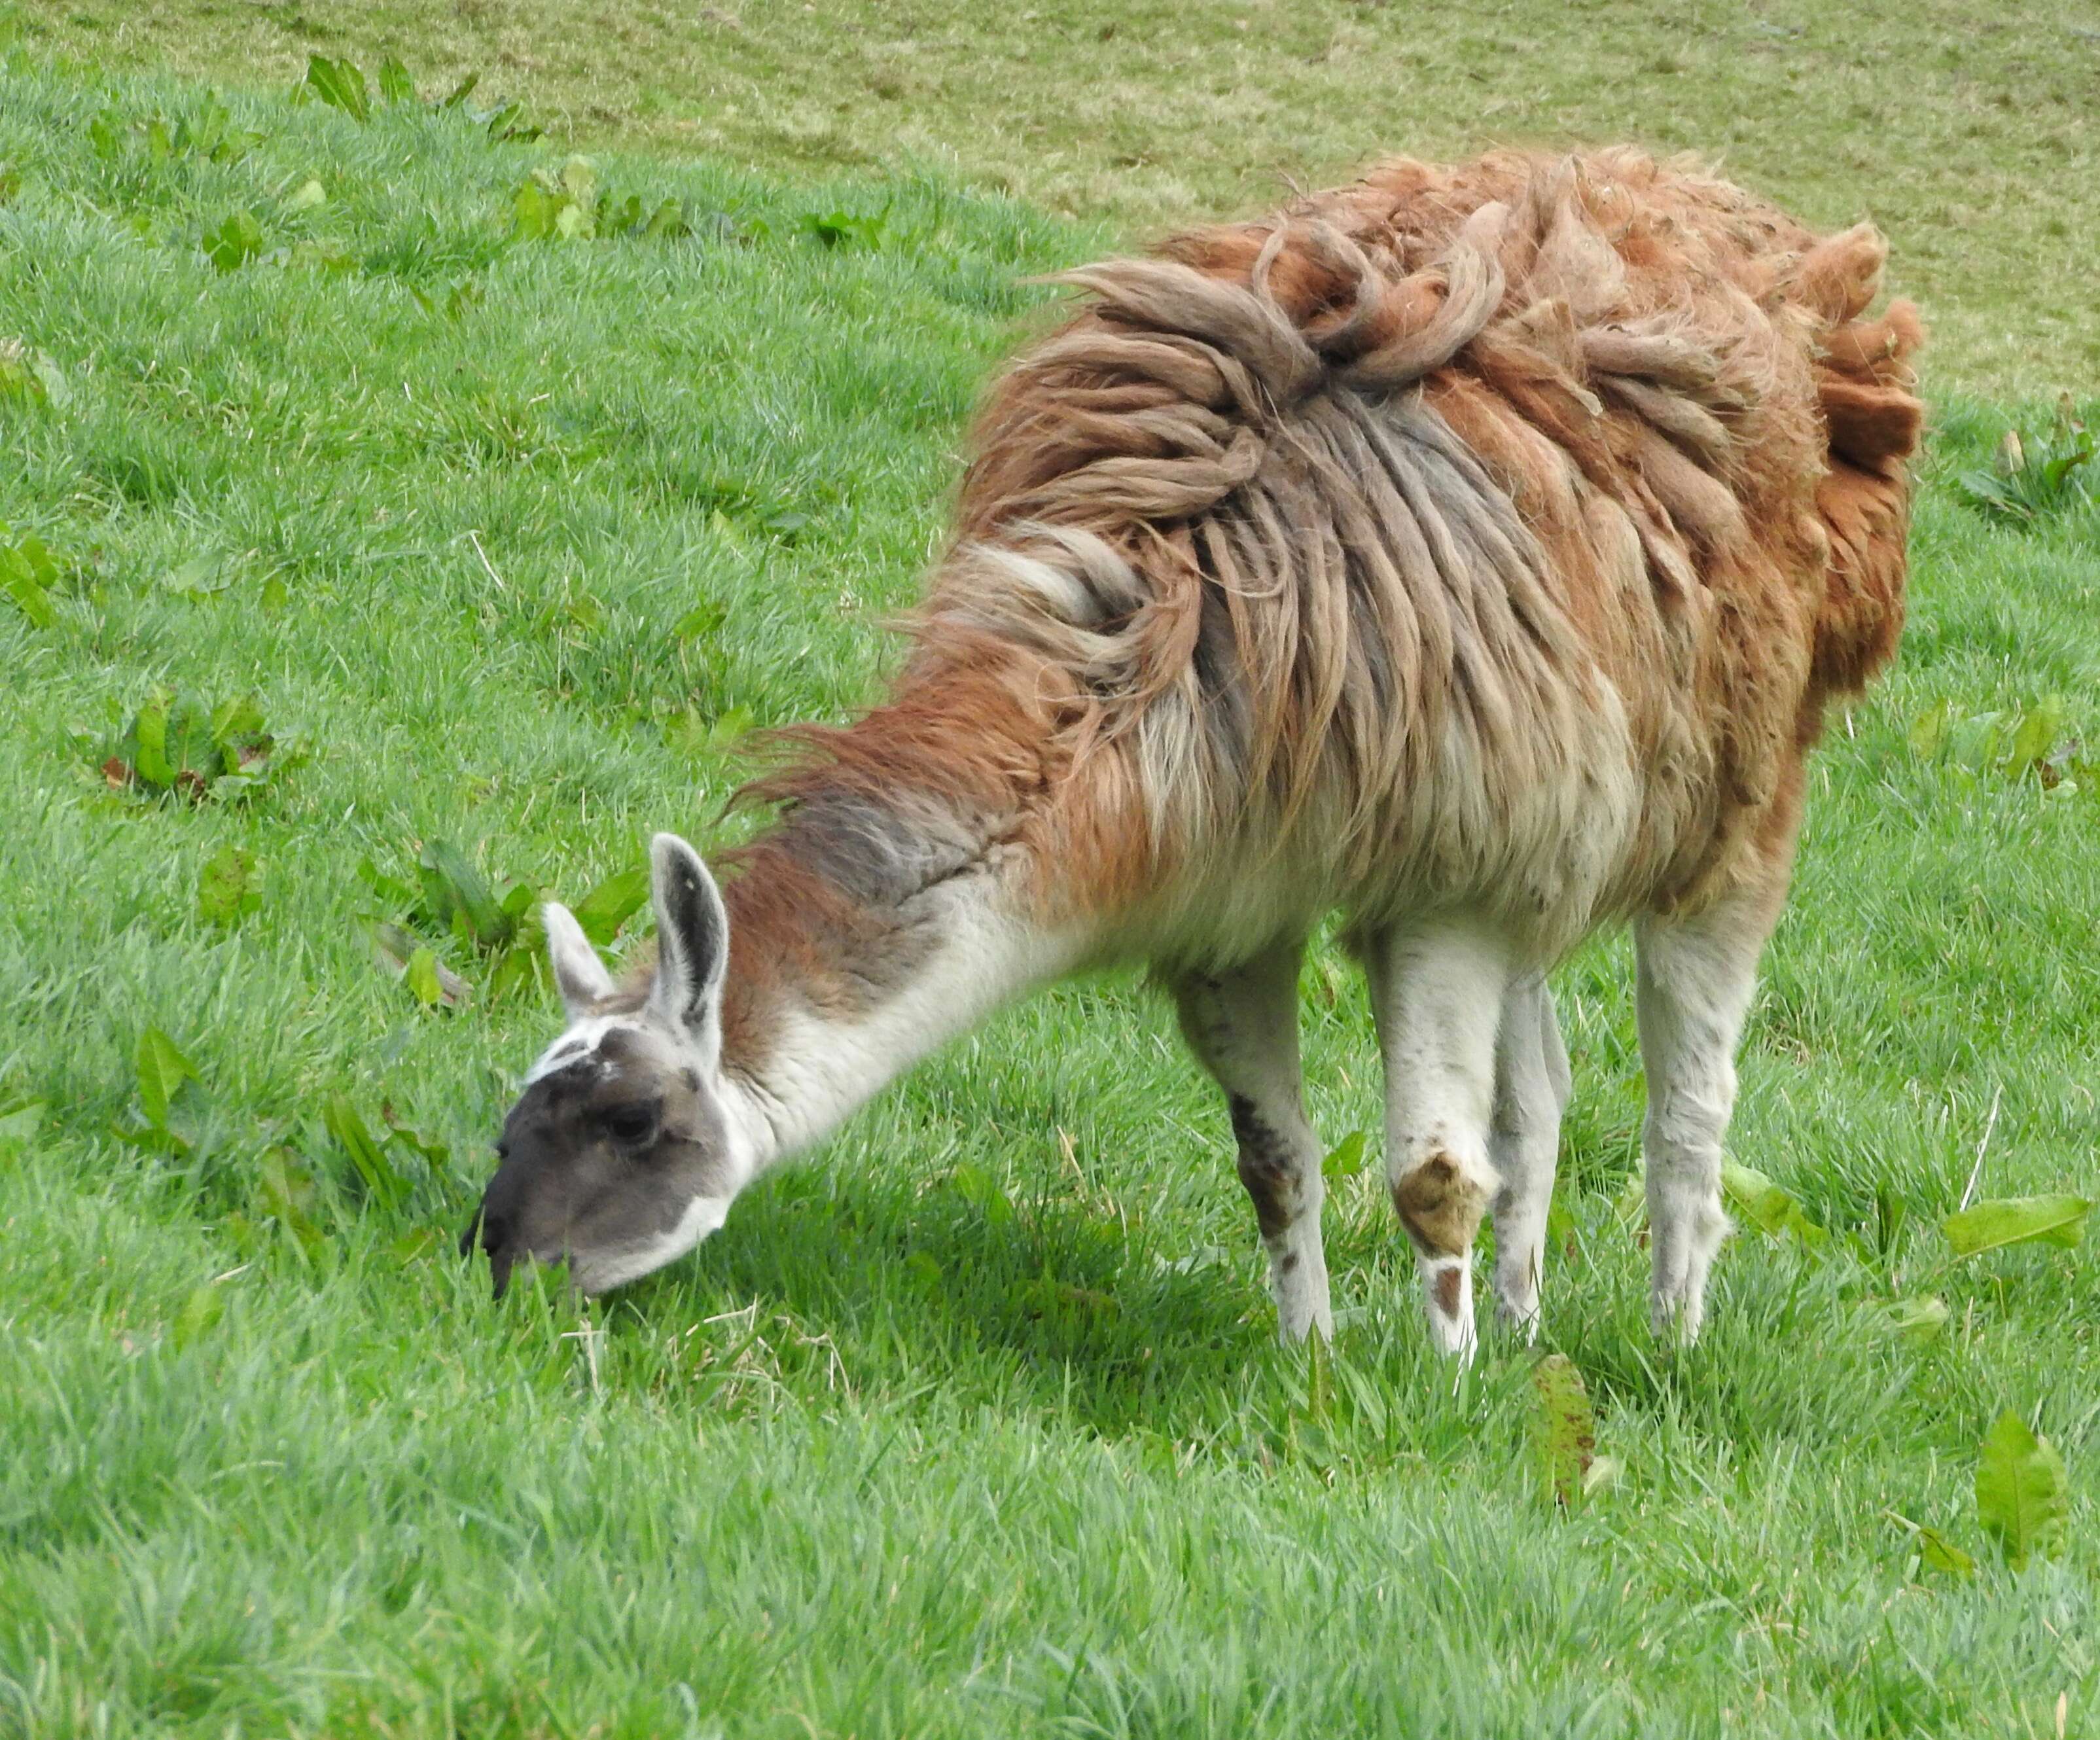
[[578, 1045]]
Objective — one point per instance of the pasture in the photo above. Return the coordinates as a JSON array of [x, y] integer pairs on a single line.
[[399, 520]]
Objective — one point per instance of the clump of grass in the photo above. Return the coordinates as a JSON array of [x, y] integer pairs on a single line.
[[2039, 474]]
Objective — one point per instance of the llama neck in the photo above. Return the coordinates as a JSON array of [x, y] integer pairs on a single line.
[[865, 934]]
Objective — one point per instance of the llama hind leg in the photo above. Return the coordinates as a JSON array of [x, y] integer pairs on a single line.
[[1530, 1091], [1437, 993], [1242, 1026], [1696, 978]]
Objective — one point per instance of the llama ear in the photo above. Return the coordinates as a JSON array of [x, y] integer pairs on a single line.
[[579, 974], [692, 937]]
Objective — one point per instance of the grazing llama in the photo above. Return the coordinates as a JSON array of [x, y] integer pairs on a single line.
[[1470, 551]]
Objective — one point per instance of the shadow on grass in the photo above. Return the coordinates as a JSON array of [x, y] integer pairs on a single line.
[[1043, 1304], [829, 1290]]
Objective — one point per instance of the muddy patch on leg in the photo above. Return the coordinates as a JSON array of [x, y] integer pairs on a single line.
[[1441, 1208]]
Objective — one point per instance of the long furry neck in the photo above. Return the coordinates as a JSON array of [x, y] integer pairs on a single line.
[[898, 900]]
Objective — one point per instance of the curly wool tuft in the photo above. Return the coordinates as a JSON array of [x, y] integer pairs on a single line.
[[1494, 534]]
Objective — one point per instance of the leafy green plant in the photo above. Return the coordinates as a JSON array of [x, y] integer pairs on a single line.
[[2033, 742], [2022, 1493], [1940, 1554], [499, 923], [28, 376], [505, 123], [1935, 1551], [698, 732], [105, 134], [2037, 475], [1563, 1431], [1345, 1160], [340, 84], [313, 255], [235, 241], [607, 907], [175, 745], [170, 1102], [450, 898], [240, 238], [556, 205], [984, 1193], [455, 896], [28, 574], [425, 978], [209, 133], [464, 295], [384, 1181], [200, 1314], [229, 886], [302, 1175], [396, 86], [1918, 1320], [289, 1201], [200, 578], [2017, 1220], [566, 204], [1755, 1198], [421, 976], [668, 219], [840, 228], [18, 1125]]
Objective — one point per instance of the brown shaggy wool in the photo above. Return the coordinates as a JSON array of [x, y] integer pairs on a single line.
[[1491, 535]]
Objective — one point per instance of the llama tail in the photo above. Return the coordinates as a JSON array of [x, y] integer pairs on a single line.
[[1866, 389]]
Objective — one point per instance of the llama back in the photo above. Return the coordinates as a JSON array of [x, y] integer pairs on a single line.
[[1487, 534]]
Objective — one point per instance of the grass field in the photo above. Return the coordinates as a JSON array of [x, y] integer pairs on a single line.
[[1968, 133], [970, 1424]]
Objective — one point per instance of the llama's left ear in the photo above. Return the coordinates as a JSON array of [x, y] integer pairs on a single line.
[[692, 939], [579, 974]]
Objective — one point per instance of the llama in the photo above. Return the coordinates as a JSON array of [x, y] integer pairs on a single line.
[[1471, 551]]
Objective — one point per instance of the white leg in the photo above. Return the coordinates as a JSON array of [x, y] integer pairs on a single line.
[[1437, 993], [1696, 977], [1242, 1026], [1524, 1142]]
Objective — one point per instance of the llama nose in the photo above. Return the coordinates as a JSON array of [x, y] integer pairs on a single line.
[[490, 1232]]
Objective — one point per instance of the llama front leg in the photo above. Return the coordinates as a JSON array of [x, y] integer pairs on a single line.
[[1524, 1142], [1437, 993], [1696, 977], [1242, 1026]]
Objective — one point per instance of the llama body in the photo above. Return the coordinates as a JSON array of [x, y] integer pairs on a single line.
[[1473, 552]]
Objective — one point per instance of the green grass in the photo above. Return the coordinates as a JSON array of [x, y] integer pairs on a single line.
[[1968, 133], [970, 1423]]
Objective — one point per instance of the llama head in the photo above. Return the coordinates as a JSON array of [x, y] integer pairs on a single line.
[[626, 1148]]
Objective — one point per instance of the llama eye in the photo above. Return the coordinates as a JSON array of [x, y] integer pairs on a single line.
[[632, 1125]]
